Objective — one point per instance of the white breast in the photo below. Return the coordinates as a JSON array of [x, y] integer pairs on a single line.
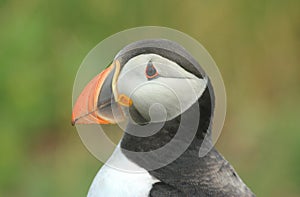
[[112, 182]]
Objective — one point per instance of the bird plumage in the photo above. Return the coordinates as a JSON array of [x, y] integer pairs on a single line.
[[185, 173], [189, 174]]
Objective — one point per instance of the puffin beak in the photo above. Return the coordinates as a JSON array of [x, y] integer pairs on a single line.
[[97, 104]]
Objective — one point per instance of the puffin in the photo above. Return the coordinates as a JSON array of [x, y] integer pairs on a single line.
[[167, 103]]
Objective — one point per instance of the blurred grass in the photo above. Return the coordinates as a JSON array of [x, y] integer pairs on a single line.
[[254, 42]]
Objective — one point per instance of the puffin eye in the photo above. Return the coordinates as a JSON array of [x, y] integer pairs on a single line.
[[151, 71]]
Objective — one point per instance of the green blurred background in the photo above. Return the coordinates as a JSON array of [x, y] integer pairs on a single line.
[[256, 44]]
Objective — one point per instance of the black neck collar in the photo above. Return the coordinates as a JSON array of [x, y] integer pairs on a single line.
[[168, 130]]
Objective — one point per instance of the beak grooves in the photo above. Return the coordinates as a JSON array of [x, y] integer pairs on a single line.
[[85, 108]]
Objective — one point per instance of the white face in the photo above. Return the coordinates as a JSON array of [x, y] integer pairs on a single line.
[[163, 97]]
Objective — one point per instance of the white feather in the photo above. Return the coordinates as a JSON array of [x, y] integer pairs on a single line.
[[112, 182]]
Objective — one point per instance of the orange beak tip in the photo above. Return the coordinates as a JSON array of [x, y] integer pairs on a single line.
[[73, 120]]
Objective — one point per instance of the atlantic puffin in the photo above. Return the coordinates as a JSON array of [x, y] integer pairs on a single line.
[[142, 74]]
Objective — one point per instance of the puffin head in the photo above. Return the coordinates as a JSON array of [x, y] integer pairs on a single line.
[[148, 81]]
